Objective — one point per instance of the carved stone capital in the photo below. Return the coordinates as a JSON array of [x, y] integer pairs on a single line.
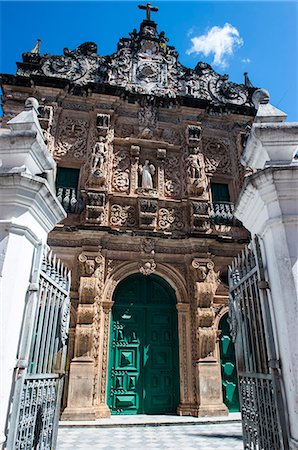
[[91, 265], [107, 306]]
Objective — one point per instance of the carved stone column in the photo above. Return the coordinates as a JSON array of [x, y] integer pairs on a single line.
[[161, 155], [101, 408], [186, 404], [208, 373], [82, 367], [134, 152]]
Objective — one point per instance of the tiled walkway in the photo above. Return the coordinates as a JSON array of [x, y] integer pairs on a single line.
[[199, 436]]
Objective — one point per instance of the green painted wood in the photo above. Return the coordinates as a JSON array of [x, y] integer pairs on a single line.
[[67, 177], [143, 368], [228, 367], [220, 192]]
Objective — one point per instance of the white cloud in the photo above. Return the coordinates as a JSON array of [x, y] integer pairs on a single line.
[[218, 41], [246, 60]]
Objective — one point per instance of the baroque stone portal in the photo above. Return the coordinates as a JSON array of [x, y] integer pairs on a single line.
[[148, 167]]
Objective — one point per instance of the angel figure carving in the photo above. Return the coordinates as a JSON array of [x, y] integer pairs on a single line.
[[147, 171]]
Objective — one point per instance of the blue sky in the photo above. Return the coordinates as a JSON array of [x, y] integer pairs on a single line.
[[257, 37]]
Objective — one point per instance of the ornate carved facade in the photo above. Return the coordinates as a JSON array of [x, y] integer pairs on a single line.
[[151, 145]]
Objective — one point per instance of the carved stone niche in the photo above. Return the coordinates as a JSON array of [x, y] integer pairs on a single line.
[[103, 123], [148, 213], [200, 216], [193, 135], [95, 208]]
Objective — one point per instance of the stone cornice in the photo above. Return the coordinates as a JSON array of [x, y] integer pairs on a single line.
[[270, 143], [267, 196]]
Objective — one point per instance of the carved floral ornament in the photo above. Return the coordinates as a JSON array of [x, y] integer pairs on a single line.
[[147, 267], [144, 63], [72, 138]]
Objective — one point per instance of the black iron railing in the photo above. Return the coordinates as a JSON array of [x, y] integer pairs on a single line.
[[221, 213]]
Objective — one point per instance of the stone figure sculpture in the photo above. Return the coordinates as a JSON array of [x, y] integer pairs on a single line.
[[147, 171], [98, 157], [194, 169]]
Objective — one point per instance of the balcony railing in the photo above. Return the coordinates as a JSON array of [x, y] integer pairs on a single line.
[[221, 213], [68, 198]]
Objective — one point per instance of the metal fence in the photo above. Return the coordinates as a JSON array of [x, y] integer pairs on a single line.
[[33, 422], [262, 408]]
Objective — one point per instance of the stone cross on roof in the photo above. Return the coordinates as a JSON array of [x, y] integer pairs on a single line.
[[148, 9]]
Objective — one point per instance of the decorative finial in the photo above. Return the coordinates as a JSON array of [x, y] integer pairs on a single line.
[[148, 9], [260, 97], [247, 81], [36, 48], [32, 103]]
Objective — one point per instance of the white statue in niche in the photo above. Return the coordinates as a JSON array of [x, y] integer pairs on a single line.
[[147, 171]]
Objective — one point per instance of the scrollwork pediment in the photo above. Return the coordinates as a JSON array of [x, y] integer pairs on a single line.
[[145, 64]]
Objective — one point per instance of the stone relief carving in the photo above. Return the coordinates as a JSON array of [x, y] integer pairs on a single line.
[[173, 179], [144, 63], [206, 342], [96, 208], [217, 156], [148, 245], [121, 170], [91, 266], [205, 271], [123, 216], [147, 267], [72, 138], [148, 212], [171, 219]]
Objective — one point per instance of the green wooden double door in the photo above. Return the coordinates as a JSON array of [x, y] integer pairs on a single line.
[[143, 360]]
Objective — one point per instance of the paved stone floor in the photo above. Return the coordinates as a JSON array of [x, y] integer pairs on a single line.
[[223, 436]]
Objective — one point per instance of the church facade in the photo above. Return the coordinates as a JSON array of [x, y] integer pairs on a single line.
[[148, 167]]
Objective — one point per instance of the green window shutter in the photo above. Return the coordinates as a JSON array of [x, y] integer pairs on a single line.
[[67, 178], [220, 192]]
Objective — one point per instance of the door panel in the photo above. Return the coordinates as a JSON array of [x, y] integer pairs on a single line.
[[228, 368], [144, 348]]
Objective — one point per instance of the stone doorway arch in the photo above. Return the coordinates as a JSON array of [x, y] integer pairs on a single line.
[[143, 354]]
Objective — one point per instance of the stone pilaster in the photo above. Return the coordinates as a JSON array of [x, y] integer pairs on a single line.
[[185, 407], [101, 407], [208, 374]]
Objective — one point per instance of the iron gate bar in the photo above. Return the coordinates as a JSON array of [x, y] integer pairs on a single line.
[[262, 404], [37, 393]]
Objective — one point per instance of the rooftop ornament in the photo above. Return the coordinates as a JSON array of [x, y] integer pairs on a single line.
[[148, 9]]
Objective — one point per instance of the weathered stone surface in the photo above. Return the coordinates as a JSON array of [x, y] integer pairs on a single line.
[[148, 137]]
